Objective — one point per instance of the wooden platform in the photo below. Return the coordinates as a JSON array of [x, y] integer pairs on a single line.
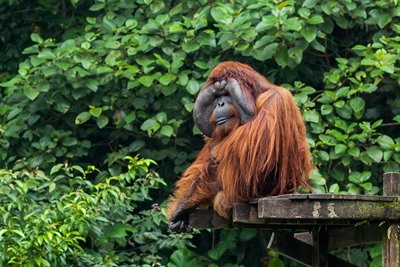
[[319, 223]]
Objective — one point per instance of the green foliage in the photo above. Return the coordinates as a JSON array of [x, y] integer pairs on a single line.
[[63, 218], [92, 82], [134, 75]]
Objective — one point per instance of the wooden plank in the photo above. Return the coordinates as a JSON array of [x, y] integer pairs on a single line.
[[207, 219], [390, 246], [245, 213], [284, 245], [287, 246], [350, 197], [390, 238], [337, 196], [294, 196], [320, 248], [282, 208], [348, 236], [391, 184]]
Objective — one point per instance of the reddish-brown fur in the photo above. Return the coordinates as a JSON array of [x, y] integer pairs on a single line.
[[266, 156]]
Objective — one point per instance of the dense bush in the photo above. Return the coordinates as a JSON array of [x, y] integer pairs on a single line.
[[95, 85], [62, 218]]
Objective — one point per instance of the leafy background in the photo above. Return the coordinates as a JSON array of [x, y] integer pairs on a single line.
[[95, 118]]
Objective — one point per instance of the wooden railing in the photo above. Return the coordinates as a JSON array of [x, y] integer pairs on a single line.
[[318, 223]]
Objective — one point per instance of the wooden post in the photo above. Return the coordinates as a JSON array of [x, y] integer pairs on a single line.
[[390, 239], [320, 248]]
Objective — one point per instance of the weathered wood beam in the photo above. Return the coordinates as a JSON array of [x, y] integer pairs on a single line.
[[327, 209], [320, 248], [390, 238], [348, 236], [390, 246], [245, 213], [305, 211], [208, 219], [286, 245]]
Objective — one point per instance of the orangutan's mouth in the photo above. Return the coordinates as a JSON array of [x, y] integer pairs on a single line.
[[222, 120]]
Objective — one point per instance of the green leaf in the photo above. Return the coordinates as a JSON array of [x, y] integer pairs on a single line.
[[323, 155], [148, 124], [227, 242], [304, 12], [221, 15], [293, 24], [167, 78], [386, 142], [190, 46], [247, 234], [309, 33], [161, 117], [354, 177], [56, 168], [162, 62], [267, 22], [102, 121], [344, 112], [357, 104], [95, 111], [207, 38], [384, 19], [131, 23], [275, 262], [311, 116], [359, 48], [108, 24], [52, 186], [70, 141], [310, 3], [2, 232], [334, 188], [167, 130], [112, 44], [82, 117], [354, 190], [354, 151], [183, 258], [146, 80], [49, 71], [169, 89], [340, 148], [120, 230], [326, 109], [366, 186], [85, 45], [46, 54], [316, 19], [36, 38], [202, 65], [267, 52], [183, 79], [97, 7], [263, 41], [296, 53], [156, 6], [316, 178], [31, 93], [193, 87], [375, 153], [364, 176], [282, 56], [130, 117]]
